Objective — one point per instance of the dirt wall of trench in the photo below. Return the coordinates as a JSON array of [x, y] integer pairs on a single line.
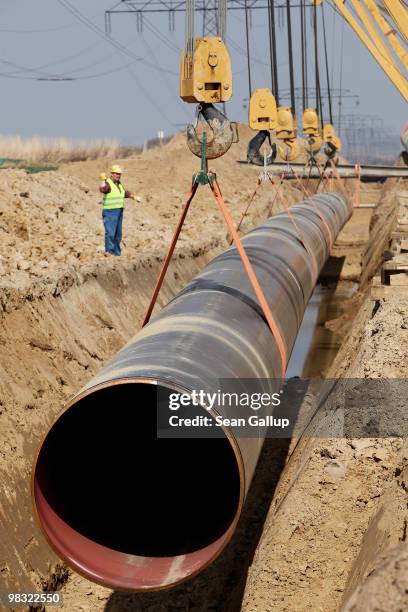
[[335, 535], [63, 338]]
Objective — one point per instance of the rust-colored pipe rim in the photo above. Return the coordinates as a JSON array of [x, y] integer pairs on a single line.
[[50, 523]]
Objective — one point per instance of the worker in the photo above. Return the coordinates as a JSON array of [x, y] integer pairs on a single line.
[[114, 195]]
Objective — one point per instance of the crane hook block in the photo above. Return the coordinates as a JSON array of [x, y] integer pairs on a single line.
[[206, 75], [328, 132], [262, 110], [311, 123], [285, 124]]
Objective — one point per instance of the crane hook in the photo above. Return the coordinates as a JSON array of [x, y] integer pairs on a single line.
[[221, 136], [253, 152]]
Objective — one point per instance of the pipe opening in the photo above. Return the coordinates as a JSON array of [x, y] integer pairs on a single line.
[[103, 473]]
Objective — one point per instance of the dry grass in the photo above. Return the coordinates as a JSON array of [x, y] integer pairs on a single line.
[[59, 150]]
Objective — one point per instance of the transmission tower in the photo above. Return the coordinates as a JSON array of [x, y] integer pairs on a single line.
[[208, 9], [209, 17]]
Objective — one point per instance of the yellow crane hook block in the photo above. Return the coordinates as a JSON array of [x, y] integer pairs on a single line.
[[311, 123], [262, 110], [285, 124], [286, 132], [206, 76], [311, 127]]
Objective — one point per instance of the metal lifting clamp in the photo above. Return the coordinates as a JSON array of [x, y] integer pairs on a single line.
[[204, 177], [262, 118]]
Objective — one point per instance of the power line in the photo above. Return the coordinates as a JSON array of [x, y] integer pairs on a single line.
[[164, 75], [150, 98], [166, 41], [90, 25], [39, 75], [38, 31], [61, 78], [121, 49], [160, 6], [37, 69]]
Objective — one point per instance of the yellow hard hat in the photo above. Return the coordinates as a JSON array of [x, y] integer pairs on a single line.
[[116, 169]]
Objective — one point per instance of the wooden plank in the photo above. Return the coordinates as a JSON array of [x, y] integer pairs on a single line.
[[379, 293], [399, 280]]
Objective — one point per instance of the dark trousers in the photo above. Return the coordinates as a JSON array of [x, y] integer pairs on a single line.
[[112, 220]]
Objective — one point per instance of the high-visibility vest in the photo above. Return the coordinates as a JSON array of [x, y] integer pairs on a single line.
[[115, 198]]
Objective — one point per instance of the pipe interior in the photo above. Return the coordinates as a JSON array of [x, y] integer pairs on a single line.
[[104, 472]]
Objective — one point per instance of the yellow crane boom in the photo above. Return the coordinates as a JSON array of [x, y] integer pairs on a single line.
[[383, 28]]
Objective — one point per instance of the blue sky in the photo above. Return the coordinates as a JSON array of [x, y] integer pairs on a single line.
[[128, 89]]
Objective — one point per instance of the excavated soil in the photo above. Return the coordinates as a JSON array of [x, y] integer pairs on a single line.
[[66, 308], [53, 220]]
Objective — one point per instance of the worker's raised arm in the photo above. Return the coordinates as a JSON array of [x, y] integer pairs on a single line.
[[104, 187]]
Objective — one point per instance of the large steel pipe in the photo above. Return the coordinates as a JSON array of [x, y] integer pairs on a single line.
[[135, 512]]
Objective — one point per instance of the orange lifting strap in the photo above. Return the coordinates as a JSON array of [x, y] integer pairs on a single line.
[[244, 258], [307, 248], [266, 175], [341, 185]]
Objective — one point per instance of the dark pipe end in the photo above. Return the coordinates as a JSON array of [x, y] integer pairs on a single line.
[[124, 508]]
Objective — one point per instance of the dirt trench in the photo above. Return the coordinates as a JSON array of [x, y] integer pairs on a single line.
[[65, 308], [59, 324], [69, 324], [334, 538]]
